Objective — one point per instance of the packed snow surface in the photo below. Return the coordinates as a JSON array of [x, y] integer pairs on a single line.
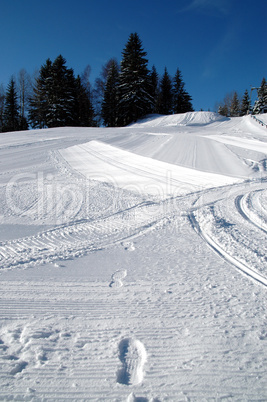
[[138, 173], [134, 261]]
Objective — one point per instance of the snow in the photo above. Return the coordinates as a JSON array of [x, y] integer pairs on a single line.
[[133, 261], [143, 175], [182, 119], [258, 146]]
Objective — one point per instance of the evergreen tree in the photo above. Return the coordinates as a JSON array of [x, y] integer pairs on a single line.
[[59, 98], [223, 110], [234, 106], [39, 103], [154, 83], [181, 99], [261, 104], [245, 105], [2, 104], [100, 86], [83, 115], [110, 102], [11, 118], [61, 95], [165, 102], [135, 99]]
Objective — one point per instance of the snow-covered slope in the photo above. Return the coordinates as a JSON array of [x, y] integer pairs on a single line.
[[183, 119], [133, 261]]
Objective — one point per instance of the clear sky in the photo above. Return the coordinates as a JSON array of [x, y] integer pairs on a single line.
[[219, 45]]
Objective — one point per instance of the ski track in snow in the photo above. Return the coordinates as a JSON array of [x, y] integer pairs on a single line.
[[254, 207], [79, 238], [86, 235], [234, 228]]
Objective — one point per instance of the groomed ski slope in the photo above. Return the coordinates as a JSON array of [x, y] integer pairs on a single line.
[[134, 261]]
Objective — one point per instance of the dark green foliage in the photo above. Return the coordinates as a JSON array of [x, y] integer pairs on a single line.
[[23, 123], [40, 101], [181, 99], [223, 110], [165, 98], [135, 99], [261, 103], [2, 104], [84, 113], [59, 98], [154, 84], [110, 102], [99, 88], [11, 118], [245, 105], [234, 106]]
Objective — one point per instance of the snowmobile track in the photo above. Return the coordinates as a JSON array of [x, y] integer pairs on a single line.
[[79, 238], [252, 210], [245, 269]]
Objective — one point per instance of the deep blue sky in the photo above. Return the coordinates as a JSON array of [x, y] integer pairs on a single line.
[[219, 45]]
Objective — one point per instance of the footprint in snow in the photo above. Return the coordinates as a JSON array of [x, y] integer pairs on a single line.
[[133, 398], [116, 279], [132, 354], [19, 366], [128, 246]]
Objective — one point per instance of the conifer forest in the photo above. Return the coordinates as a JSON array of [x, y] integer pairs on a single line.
[[123, 93]]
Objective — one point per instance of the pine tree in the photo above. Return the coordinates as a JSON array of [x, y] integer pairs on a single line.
[[135, 99], [11, 118], [223, 110], [59, 98], [2, 104], [165, 102], [87, 115], [154, 84], [234, 106], [39, 103], [109, 110], [181, 99], [262, 97], [61, 95], [245, 105], [83, 114], [99, 88]]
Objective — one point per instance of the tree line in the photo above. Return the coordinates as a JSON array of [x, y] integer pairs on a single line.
[[234, 105], [122, 94], [57, 98], [132, 91]]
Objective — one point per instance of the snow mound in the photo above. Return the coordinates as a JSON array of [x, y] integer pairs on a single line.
[[99, 161], [182, 119]]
